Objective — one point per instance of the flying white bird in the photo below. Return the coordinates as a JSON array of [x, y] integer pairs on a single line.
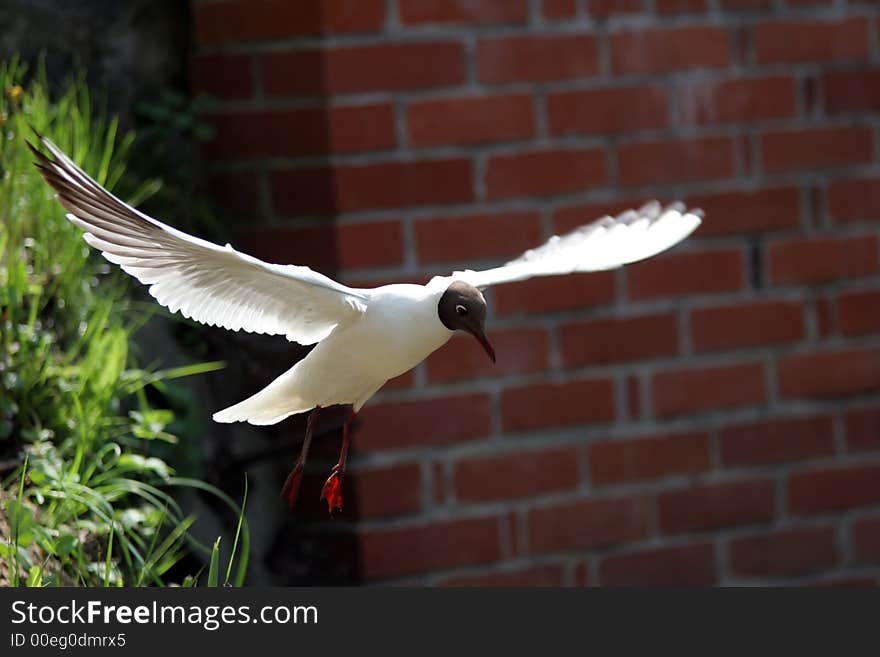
[[364, 336]]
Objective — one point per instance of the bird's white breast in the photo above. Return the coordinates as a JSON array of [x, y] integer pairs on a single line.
[[397, 331], [402, 326]]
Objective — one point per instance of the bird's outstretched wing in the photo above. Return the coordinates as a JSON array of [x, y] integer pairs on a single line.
[[606, 243], [211, 284]]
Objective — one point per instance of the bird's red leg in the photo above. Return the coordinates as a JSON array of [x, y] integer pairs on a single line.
[[290, 490], [332, 491]]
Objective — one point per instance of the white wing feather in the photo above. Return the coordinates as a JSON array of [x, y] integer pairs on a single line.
[[603, 244], [211, 284]]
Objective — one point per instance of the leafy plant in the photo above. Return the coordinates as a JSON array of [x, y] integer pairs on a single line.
[[85, 500]]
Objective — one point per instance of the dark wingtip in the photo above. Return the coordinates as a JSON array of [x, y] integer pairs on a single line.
[[41, 162], [34, 150], [37, 133]]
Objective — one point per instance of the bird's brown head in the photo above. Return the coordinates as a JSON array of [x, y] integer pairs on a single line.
[[463, 308]]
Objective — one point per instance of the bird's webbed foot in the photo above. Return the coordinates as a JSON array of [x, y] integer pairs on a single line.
[[332, 490]]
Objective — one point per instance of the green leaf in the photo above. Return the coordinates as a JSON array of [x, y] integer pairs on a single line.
[[20, 522], [214, 568], [237, 534], [108, 561], [35, 576], [145, 463], [65, 545]]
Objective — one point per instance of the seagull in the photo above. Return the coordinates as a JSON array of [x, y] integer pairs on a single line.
[[363, 337]]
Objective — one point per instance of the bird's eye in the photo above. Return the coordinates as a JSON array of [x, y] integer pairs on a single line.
[[461, 310]]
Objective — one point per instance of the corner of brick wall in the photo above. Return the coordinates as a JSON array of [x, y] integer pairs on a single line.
[[711, 416]]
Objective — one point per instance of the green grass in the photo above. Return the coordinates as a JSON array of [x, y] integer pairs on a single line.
[[87, 497]]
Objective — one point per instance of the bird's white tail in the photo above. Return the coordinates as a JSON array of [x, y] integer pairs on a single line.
[[270, 405]]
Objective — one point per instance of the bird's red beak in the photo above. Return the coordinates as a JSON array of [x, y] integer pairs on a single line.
[[483, 340]]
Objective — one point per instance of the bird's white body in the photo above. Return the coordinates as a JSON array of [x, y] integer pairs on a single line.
[[398, 329]]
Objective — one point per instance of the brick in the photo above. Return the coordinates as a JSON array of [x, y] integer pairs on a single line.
[[777, 440], [374, 67], [680, 6], [857, 312], [639, 459], [237, 193], [355, 128], [555, 10], [581, 573], [866, 539], [540, 405], [852, 91], [370, 244], [555, 293], [743, 325], [471, 120], [403, 551], [634, 397], [830, 373], [807, 40], [516, 475], [539, 173], [739, 100], [754, 211], [664, 50], [391, 424], [686, 565], [302, 131], [588, 523], [536, 58], [863, 429], [784, 552], [457, 238], [618, 339], [690, 272], [462, 12], [394, 490], [351, 15], [605, 8], [313, 247], [440, 492], [224, 76], [548, 575], [348, 188], [854, 200], [303, 191], [294, 73], [793, 150], [330, 247], [608, 110], [253, 20], [656, 162], [519, 350], [698, 389], [810, 260], [400, 382], [713, 506], [825, 316], [819, 491]]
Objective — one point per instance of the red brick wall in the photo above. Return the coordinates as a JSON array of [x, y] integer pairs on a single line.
[[711, 416]]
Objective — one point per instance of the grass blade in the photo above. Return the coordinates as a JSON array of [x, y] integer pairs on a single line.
[[214, 568], [237, 533]]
